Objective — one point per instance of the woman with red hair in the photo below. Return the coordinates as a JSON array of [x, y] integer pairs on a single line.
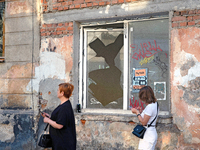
[[62, 123]]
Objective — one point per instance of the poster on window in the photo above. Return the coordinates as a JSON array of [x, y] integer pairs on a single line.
[[139, 79]]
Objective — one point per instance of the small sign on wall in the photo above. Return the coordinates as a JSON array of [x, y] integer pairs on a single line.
[[139, 79], [160, 90]]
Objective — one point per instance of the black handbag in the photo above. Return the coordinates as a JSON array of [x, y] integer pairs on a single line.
[[140, 130], [45, 139]]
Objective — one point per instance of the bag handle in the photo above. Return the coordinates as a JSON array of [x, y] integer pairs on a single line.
[[154, 118]]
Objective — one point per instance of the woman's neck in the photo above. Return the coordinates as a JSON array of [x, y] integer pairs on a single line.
[[63, 99]]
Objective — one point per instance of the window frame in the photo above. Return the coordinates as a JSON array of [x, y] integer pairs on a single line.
[[83, 71], [2, 58]]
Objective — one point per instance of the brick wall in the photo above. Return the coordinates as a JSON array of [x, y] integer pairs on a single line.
[[56, 29], [186, 18], [62, 5]]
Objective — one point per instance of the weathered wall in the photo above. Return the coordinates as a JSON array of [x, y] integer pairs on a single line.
[[17, 100], [42, 48], [185, 68]]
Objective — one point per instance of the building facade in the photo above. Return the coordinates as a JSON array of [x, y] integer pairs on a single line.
[[108, 49]]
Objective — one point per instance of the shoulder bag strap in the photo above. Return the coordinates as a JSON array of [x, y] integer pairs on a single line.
[[154, 118], [46, 127]]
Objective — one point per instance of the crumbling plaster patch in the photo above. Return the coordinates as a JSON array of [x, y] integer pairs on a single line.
[[55, 61], [185, 73]]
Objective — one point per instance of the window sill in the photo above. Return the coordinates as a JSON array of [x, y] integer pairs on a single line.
[[117, 112], [115, 115], [2, 59]]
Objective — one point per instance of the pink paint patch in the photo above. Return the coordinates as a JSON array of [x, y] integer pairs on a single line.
[[14, 8]]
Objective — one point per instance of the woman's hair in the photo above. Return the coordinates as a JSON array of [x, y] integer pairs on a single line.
[[67, 88], [146, 94]]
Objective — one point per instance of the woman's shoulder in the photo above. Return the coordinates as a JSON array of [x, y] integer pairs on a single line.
[[152, 105]]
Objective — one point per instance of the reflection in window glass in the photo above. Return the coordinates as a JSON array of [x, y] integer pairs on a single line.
[[149, 60], [105, 69], [2, 8]]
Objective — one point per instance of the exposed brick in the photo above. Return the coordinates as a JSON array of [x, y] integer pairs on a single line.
[[43, 34], [128, 0], [71, 6], [71, 24], [87, 1], [101, 3], [89, 4], [114, 1], [57, 4], [95, 4], [176, 13], [60, 8], [48, 34], [64, 3], [49, 25], [190, 18], [198, 11], [61, 29], [65, 32], [44, 25], [55, 25], [77, 6], [174, 25], [184, 12], [120, 1], [196, 17], [192, 12], [42, 30], [191, 23], [108, 3], [70, 3], [54, 33], [59, 32], [78, 2], [66, 24], [198, 23], [55, 8], [66, 7], [183, 24], [70, 28], [179, 18], [70, 32], [60, 24], [51, 29], [83, 5], [60, 0]]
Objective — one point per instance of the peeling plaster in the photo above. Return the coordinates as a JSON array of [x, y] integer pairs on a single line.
[[7, 133], [51, 66], [55, 61]]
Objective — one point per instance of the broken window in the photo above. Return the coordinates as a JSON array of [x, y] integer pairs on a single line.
[[104, 68], [119, 59], [2, 35]]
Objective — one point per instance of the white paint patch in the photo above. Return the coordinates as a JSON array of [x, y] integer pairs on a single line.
[[107, 9], [194, 109], [193, 72], [7, 133], [188, 124], [52, 65]]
